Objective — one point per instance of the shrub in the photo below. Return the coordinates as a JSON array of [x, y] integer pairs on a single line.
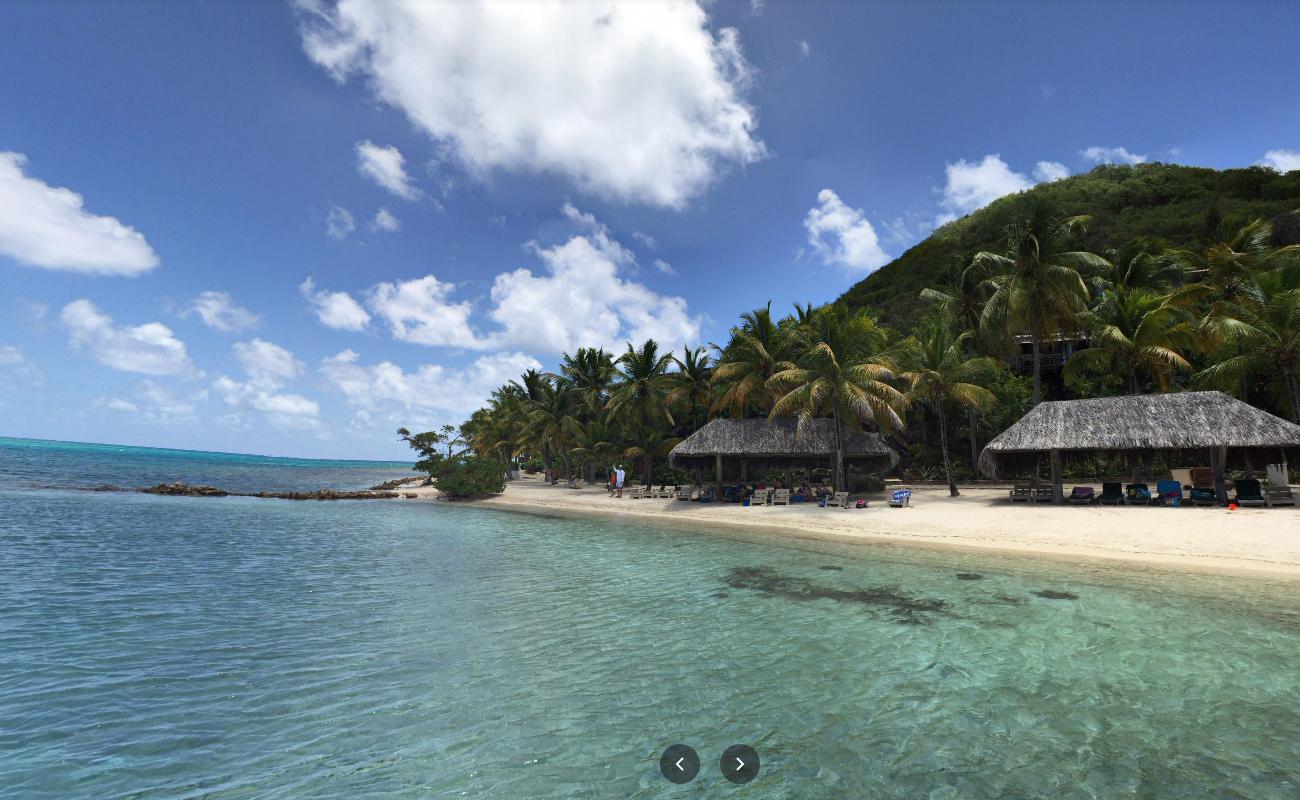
[[467, 478]]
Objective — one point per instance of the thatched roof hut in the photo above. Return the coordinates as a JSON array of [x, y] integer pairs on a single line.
[[1197, 426], [779, 442]]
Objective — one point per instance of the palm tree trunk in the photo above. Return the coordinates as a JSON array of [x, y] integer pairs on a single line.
[[649, 470], [1038, 369], [971, 421], [1294, 386], [839, 451], [943, 443], [546, 463]]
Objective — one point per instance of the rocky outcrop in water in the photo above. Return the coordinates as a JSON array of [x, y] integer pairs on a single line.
[[179, 489], [397, 484]]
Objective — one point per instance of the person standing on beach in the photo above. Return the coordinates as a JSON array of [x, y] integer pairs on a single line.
[[618, 480], [612, 481]]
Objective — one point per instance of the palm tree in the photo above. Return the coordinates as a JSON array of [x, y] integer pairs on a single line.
[[591, 371], [551, 421], [758, 350], [1265, 337], [964, 304], [938, 370], [1036, 284], [642, 384], [1134, 332], [842, 371], [692, 383], [649, 444]]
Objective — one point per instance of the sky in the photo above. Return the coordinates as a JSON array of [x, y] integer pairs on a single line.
[[290, 228]]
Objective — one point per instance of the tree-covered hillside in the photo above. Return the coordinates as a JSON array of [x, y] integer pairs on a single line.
[[1183, 206]]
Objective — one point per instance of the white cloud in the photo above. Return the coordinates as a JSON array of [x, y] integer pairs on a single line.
[[17, 371], [151, 349], [645, 239], [156, 403], [450, 393], [756, 7], [973, 185], [339, 224], [267, 362], [664, 267], [1111, 155], [384, 221], [639, 102], [805, 49], [385, 166], [419, 311], [48, 226], [597, 307], [336, 310], [1048, 171], [1282, 160], [843, 235], [219, 312], [269, 367]]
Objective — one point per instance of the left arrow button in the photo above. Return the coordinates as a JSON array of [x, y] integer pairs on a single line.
[[679, 763]]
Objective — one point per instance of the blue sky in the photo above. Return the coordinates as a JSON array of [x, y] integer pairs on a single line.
[[473, 189]]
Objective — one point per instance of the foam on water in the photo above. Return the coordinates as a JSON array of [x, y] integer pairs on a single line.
[[232, 648]]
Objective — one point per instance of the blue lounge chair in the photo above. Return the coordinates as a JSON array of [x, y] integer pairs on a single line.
[[900, 498], [1170, 492], [1138, 494]]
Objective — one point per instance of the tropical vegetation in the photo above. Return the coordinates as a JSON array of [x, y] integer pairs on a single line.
[[1135, 279]]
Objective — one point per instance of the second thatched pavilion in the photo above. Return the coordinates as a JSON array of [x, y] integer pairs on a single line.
[[781, 443], [1188, 426]]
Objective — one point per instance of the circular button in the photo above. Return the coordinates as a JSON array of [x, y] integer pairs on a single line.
[[739, 763], [679, 763]]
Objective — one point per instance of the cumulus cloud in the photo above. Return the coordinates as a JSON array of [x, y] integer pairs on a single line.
[[973, 185], [645, 239], [805, 49], [1282, 160], [638, 102], [386, 167], [339, 223], [150, 349], [664, 267], [843, 235], [1111, 155], [268, 368], [156, 403], [17, 370], [267, 362], [1048, 171], [385, 222], [219, 311], [599, 308], [449, 394], [48, 226], [336, 310], [420, 311]]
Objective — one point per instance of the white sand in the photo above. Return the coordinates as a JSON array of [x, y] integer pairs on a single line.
[[1255, 540]]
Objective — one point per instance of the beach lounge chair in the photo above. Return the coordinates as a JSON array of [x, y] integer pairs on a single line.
[[1137, 494], [1022, 493], [780, 497], [838, 500], [1249, 493], [634, 493], [1042, 494], [1082, 496], [685, 494], [1169, 493], [709, 495], [900, 498], [1112, 494], [761, 497], [1279, 495], [731, 494]]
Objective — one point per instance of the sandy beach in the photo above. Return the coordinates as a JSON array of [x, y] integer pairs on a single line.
[[1259, 541]]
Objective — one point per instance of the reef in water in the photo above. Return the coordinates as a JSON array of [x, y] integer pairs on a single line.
[[969, 576], [1052, 594], [901, 606]]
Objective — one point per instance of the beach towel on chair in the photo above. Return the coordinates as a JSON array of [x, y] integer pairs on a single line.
[[900, 498]]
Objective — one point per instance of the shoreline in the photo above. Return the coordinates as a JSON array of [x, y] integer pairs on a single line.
[[1262, 543]]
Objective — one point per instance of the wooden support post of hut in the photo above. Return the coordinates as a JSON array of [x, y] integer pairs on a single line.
[[1178, 427], [1058, 494]]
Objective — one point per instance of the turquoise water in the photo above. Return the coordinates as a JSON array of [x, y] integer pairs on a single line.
[[242, 648]]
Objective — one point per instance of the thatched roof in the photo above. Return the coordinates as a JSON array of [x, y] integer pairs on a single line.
[[1179, 422], [782, 438]]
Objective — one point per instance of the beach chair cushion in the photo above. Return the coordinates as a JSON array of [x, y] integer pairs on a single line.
[[1082, 495], [1111, 493], [1169, 490], [1249, 493]]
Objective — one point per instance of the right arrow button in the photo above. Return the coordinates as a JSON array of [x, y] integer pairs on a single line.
[[739, 764]]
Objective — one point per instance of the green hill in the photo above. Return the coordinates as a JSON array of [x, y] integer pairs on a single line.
[[1182, 206]]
